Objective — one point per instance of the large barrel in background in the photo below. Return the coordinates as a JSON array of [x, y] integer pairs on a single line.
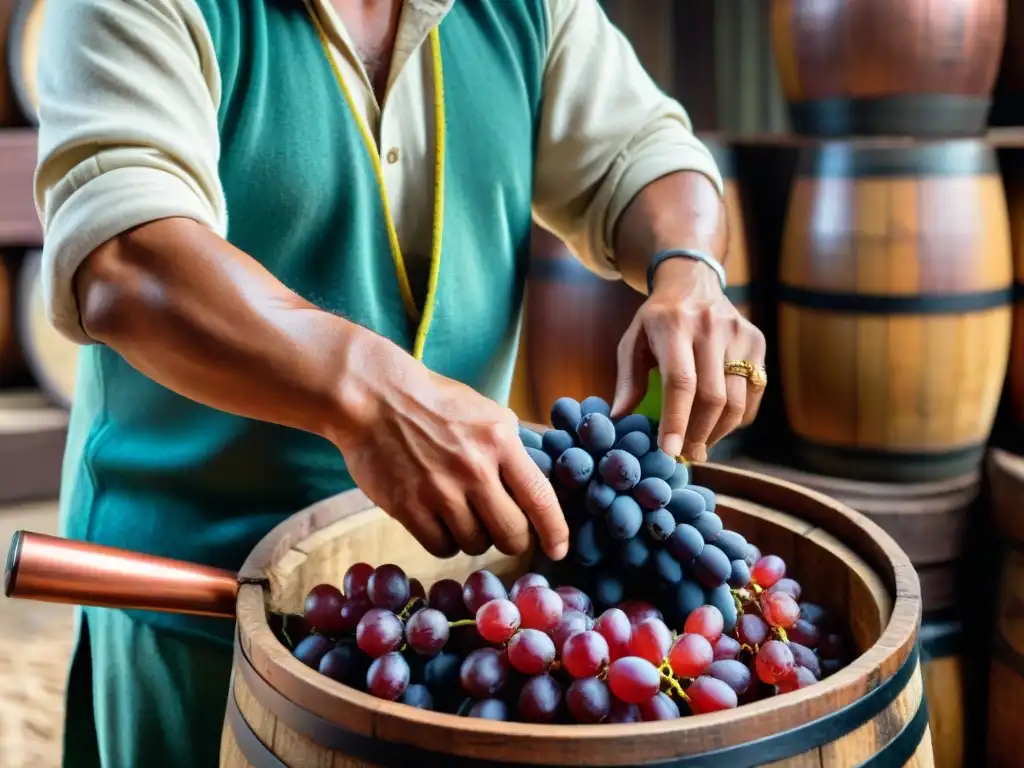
[[52, 359], [12, 363], [1013, 178], [1008, 98], [23, 55], [879, 67], [894, 308]]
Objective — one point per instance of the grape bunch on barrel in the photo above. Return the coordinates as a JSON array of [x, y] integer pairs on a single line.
[[658, 611]]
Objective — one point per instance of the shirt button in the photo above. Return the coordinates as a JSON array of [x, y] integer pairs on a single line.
[[392, 156]]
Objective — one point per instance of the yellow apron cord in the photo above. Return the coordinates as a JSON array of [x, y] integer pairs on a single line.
[[438, 224]]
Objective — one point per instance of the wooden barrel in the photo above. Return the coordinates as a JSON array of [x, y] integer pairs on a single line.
[[870, 713], [23, 55], [1008, 99], [894, 307], [877, 67], [12, 363], [943, 667], [1013, 178], [1006, 677], [52, 359]]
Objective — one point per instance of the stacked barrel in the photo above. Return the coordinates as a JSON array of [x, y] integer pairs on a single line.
[[895, 285]]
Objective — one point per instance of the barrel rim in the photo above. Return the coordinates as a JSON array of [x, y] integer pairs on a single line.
[[362, 713], [15, 45]]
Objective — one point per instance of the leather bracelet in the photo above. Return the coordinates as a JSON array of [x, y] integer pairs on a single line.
[[682, 253]]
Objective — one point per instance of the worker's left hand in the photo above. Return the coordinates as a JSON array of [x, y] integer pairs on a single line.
[[689, 330]]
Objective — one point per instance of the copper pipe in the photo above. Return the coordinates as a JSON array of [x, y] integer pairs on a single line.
[[56, 570]]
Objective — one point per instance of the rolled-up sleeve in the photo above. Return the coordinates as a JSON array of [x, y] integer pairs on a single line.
[[606, 132], [129, 92]]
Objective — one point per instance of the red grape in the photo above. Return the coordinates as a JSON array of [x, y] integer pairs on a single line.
[[489, 709], [585, 654], [388, 587], [633, 680], [526, 581], [482, 587], [640, 611], [322, 609], [388, 676], [805, 657], [588, 700], [531, 651], [312, 650], [571, 622], [774, 661], [576, 599], [540, 699], [540, 608], [779, 609], [379, 632], [767, 571], [708, 694], [353, 610], [735, 674], [356, 578], [446, 596], [658, 707], [800, 677], [726, 647], [651, 641], [690, 655], [484, 672], [752, 630], [621, 712], [427, 631], [497, 620], [706, 621], [615, 628], [416, 589], [789, 587], [805, 633]]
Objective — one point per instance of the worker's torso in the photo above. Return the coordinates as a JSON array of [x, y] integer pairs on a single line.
[[147, 469]]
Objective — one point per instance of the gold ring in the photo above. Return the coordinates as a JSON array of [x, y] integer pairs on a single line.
[[755, 374]]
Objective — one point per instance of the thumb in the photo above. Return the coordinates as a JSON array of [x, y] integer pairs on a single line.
[[631, 377]]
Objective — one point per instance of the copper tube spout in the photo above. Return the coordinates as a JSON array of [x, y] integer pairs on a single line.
[[55, 570]]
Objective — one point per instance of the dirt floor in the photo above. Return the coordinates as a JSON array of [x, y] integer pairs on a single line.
[[35, 644]]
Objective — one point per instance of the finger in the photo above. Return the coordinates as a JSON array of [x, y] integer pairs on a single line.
[[537, 499], [710, 400], [633, 367], [674, 353], [460, 519], [429, 531], [504, 520], [736, 388], [758, 351]]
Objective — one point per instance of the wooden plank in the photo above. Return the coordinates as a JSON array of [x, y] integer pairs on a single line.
[[32, 435], [19, 224]]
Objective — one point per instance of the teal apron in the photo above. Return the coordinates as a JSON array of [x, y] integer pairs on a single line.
[[148, 470]]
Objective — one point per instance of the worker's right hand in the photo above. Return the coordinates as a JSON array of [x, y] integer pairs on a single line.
[[440, 458]]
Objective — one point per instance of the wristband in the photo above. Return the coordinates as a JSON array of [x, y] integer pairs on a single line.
[[682, 253]]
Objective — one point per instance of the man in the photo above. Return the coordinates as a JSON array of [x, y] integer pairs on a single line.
[[292, 238]]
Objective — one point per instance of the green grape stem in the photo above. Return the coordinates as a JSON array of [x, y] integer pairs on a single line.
[[407, 611], [667, 676], [462, 623]]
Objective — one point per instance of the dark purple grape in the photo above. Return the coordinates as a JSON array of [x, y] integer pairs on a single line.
[[805, 657], [345, 663], [595, 404], [322, 609], [596, 433], [484, 673], [312, 650], [427, 631], [710, 525], [740, 576], [489, 709], [624, 518], [418, 696], [353, 610], [586, 546], [689, 596], [635, 422], [636, 443], [652, 493], [707, 494], [356, 578], [659, 707], [735, 674], [446, 596], [530, 439], [680, 476], [620, 470], [543, 461], [574, 468], [733, 544], [685, 543], [804, 633], [659, 524], [540, 699], [574, 599], [665, 567], [388, 676], [621, 712], [609, 591], [416, 590], [752, 556], [657, 463], [635, 553], [813, 613], [388, 588], [556, 442], [441, 673], [525, 582], [685, 505], [721, 597], [566, 414], [712, 567], [588, 700], [598, 497], [482, 587], [572, 621]]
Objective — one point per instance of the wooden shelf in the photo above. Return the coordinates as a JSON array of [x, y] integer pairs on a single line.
[[32, 435], [19, 224]]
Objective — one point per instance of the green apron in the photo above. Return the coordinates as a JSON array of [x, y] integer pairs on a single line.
[[148, 470]]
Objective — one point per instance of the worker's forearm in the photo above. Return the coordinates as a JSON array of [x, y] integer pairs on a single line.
[[681, 210], [207, 321]]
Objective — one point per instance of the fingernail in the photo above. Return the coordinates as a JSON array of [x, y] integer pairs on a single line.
[[672, 444], [559, 551]]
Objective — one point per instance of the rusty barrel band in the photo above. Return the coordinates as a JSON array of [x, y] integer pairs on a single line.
[[888, 465], [390, 754], [937, 115]]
